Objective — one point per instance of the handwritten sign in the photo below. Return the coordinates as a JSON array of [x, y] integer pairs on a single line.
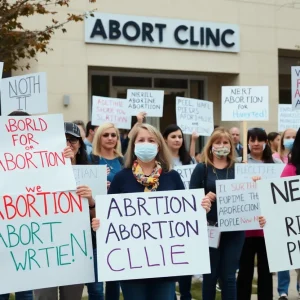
[[27, 93], [266, 171], [214, 236], [94, 176], [287, 117], [280, 206], [45, 241], [148, 235], [185, 173], [238, 205], [295, 73], [31, 155], [112, 110], [245, 103], [194, 115], [148, 101]]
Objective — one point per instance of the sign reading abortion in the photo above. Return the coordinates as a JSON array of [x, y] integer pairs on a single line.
[[147, 235], [280, 205], [45, 241], [245, 103]]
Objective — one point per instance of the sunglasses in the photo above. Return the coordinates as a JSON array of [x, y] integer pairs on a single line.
[[72, 140], [113, 135]]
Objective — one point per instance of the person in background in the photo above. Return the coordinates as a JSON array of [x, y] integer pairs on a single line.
[[259, 152], [90, 133], [235, 134], [285, 145], [124, 139], [107, 151], [198, 157], [81, 127], [218, 160], [273, 141], [148, 168]]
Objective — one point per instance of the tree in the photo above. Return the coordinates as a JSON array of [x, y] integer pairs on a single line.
[[17, 42]]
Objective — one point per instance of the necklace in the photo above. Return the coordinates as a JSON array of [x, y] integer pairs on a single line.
[[216, 173], [110, 166]]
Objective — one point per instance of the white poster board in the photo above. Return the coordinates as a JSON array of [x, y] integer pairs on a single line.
[[295, 74], [194, 115], [238, 205], [265, 171], [1, 72], [45, 244], [149, 101], [31, 155], [280, 206], [138, 238], [94, 176], [185, 173], [111, 110], [26, 93], [214, 236], [287, 117], [245, 103]]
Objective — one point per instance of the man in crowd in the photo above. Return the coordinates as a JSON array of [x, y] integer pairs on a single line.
[[90, 133], [235, 133]]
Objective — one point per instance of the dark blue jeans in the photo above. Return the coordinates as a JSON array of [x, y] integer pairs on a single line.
[[112, 290], [147, 290], [224, 263], [185, 284], [95, 289], [26, 295]]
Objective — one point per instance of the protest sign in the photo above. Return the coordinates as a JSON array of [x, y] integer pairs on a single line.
[[245, 103], [266, 171], [31, 155], [149, 101], [26, 93], [287, 117], [280, 206], [148, 235], [214, 236], [94, 176], [112, 110], [295, 74], [194, 115], [1, 71], [185, 173], [238, 205], [45, 241]]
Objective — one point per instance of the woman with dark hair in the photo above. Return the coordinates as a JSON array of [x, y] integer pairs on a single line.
[[173, 137], [259, 152], [273, 141]]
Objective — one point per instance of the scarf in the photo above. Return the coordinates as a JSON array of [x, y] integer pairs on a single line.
[[150, 182]]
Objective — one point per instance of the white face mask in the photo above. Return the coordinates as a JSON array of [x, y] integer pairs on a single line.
[[220, 152], [145, 151], [264, 146]]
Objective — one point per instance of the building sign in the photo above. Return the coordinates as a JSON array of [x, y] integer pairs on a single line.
[[161, 32]]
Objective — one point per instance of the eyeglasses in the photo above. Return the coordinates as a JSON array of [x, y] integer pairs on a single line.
[[72, 140], [113, 135]]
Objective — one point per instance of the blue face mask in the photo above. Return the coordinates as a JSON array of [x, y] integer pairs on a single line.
[[288, 143], [145, 151]]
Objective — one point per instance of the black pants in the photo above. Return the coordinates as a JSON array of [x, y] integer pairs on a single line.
[[253, 246], [185, 283]]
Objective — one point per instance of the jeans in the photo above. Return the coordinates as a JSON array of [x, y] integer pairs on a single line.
[[95, 289], [185, 283], [26, 295], [283, 282], [112, 290], [224, 262], [147, 290]]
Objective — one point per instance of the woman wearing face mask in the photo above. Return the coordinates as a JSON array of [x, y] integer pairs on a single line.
[[148, 168], [218, 164], [79, 157], [174, 139], [285, 145], [259, 152], [107, 151], [273, 141]]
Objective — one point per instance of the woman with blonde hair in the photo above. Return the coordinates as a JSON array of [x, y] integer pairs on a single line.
[[107, 151], [218, 160], [148, 168]]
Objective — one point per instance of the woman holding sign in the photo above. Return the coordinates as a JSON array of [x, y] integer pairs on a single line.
[[218, 164], [148, 168]]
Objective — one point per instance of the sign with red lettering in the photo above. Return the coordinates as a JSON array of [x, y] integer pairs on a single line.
[[238, 205], [45, 241], [214, 236], [295, 73], [27, 93], [31, 155], [149, 235], [111, 110]]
